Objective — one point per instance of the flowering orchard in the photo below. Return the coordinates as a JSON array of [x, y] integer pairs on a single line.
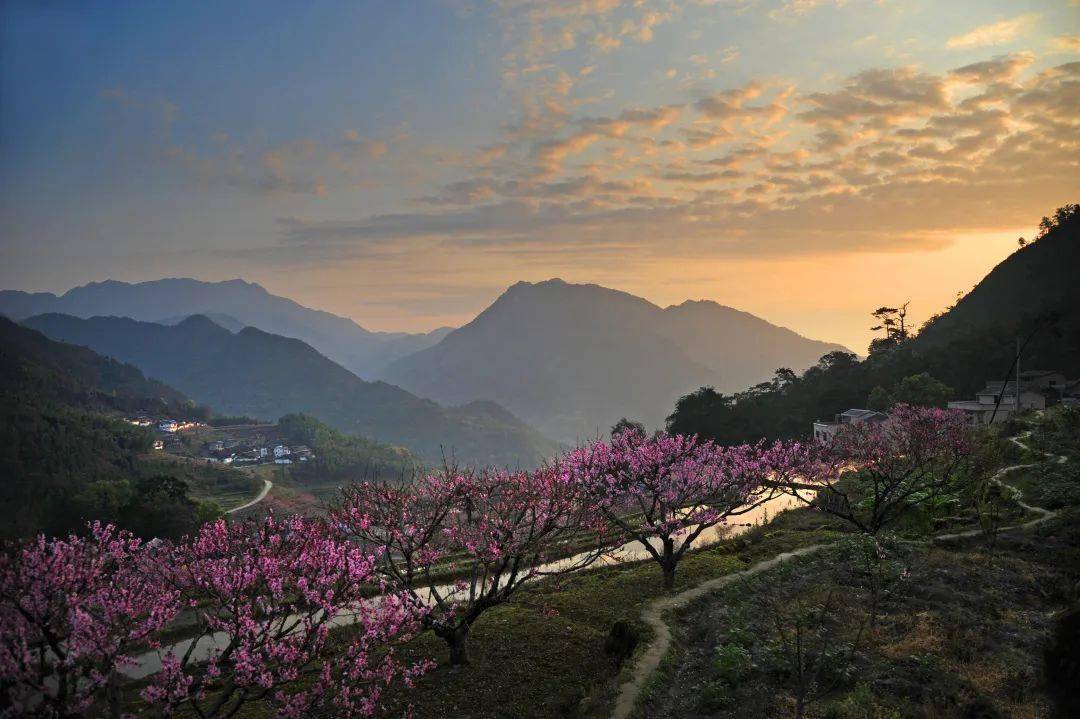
[[263, 596], [70, 609], [874, 472], [664, 491], [303, 615], [459, 543], [267, 595]]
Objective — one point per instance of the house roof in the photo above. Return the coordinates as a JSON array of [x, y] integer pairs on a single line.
[[862, 414], [1038, 373], [975, 406], [995, 388]]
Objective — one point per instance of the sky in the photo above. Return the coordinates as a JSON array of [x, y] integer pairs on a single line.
[[402, 163]]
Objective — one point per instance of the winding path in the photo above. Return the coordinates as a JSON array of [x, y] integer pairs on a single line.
[[267, 486], [653, 614]]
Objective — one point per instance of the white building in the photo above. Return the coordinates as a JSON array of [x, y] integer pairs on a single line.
[[168, 425], [982, 410], [281, 451], [825, 431]]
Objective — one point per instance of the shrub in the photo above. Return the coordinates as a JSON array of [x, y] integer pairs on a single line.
[[732, 662]]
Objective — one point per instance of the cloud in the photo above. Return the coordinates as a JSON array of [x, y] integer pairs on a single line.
[[881, 96], [1065, 43], [605, 43], [884, 156], [642, 27], [1003, 68], [997, 33], [539, 29], [798, 8]]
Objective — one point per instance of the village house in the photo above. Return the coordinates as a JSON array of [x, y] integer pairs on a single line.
[[999, 400], [168, 425], [825, 431], [249, 457]]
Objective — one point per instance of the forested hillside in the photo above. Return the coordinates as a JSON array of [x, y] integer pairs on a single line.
[[340, 457], [34, 365], [66, 455], [1033, 297]]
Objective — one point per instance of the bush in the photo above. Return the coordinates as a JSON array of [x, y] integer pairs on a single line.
[[716, 696], [1059, 485], [1063, 664], [621, 641], [732, 662]]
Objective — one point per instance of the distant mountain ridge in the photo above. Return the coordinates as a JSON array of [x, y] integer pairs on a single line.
[[572, 359], [361, 351], [227, 321], [569, 359], [34, 366], [264, 375]]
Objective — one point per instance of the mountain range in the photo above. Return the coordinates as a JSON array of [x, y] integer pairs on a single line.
[[570, 359], [573, 359], [263, 375], [235, 304]]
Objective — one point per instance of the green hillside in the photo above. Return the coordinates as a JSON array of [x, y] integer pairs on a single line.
[[34, 365], [340, 457], [67, 456]]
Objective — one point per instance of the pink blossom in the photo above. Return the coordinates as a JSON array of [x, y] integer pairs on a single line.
[[664, 491], [268, 593], [70, 611]]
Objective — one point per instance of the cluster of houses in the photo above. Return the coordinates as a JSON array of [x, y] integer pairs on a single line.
[[168, 430], [166, 426], [234, 452], [996, 402], [1037, 389]]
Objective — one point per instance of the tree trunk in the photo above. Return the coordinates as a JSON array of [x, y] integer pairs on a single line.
[[456, 640], [669, 576], [112, 697], [668, 565]]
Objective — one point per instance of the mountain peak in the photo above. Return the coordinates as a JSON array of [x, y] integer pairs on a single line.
[[199, 323], [574, 358], [554, 283], [556, 287]]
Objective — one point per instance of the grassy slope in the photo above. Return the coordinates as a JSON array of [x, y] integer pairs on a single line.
[[962, 637]]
